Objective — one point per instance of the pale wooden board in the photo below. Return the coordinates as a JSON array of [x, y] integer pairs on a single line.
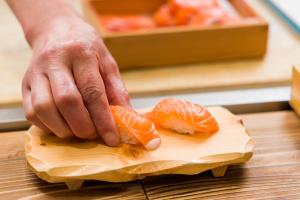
[[56, 160], [272, 173], [274, 69]]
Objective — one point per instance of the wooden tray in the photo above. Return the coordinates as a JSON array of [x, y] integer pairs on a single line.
[[295, 90], [74, 161], [176, 45]]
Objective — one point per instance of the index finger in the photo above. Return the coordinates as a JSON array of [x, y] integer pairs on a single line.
[[115, 87], [92, 89]]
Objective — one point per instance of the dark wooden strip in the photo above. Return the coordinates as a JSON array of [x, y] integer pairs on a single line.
[[219, 188], [97, 190], [207, 181], [277, 149]]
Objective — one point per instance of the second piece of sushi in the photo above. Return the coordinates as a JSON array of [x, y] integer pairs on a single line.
[[183, 117]]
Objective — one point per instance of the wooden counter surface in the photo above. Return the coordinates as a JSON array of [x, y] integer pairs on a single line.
[[272, 173], [273, 69]]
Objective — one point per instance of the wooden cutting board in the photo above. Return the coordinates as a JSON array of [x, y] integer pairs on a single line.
[[273, 69], [272, 173], [74, 161]]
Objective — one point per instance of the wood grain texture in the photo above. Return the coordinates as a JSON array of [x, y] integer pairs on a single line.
[[17, 182], [272, 173], [273, 69]]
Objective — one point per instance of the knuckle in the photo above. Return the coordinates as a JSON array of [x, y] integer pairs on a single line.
[[50, 52], [109, 65], [126, 96], [92, 94], [109, 59], [122, 92], [113, 67], [81, 49], [67, 99], [41, 106], [30, 116]]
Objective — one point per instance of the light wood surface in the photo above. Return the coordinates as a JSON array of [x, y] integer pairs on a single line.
[[74, 161], [274, 69], [272, 173]]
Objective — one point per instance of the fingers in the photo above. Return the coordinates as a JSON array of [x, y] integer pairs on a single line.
[[45, 108], [70, 104], [115, 88], [28, 109], [92, 89]]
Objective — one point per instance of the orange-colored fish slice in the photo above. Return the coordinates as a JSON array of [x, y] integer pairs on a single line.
[[163, 16], [221, 16], [183, 117], [217, 15], [185, 16], [200, 12], [134, 128], [122, 23], [199, 19], [176, 5]]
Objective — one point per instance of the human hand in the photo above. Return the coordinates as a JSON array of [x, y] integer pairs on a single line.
[[71, 80]]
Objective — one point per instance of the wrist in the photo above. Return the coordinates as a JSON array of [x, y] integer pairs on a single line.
[[43, 25], [48, 25]]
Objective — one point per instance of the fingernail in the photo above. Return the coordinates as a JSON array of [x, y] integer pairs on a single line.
[[111, 139]]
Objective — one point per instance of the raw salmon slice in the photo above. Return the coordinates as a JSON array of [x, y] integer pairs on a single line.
[[185, 16], [217, 15], [134, 128], [164, 17], [176, 5], [121, 23], [183, 117]]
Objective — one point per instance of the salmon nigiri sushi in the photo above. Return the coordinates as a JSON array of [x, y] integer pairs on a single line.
[[134, 128], [183, 117]]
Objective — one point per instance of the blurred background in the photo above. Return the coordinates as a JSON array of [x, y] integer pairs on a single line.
[[273, 69]]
